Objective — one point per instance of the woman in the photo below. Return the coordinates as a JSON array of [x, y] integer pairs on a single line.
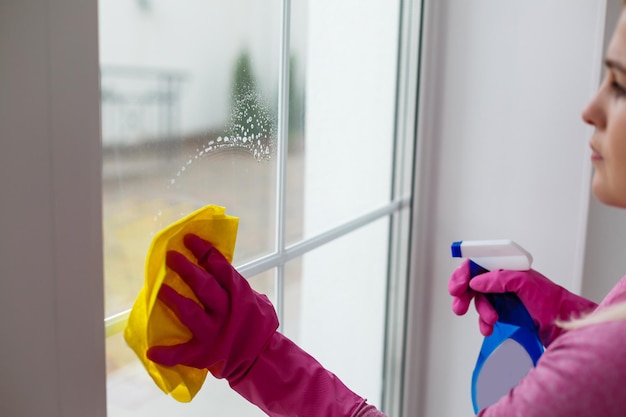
[[581, 373], [583, 368]]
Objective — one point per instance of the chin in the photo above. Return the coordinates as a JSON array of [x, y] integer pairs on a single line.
[[607, 196]]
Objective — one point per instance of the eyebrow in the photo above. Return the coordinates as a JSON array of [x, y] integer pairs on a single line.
[[615, 65]]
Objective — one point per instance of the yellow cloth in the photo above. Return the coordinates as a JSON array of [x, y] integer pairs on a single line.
[[150, 322]]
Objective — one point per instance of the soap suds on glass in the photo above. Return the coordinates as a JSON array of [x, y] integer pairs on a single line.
[[251, 129]]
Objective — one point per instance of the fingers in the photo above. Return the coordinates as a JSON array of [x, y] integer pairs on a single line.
[[464, 288], [486, 329], [199, 247], [461, 304], [170, 355], [458, 287], [190, 314], [491, 282], [213, 262], [459, 280], [487, 315], [202, 283], [188, 354]]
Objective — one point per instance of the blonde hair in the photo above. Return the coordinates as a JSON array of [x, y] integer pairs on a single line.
[[611, 313]]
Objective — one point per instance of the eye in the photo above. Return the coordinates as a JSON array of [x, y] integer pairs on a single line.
[[618, 89]]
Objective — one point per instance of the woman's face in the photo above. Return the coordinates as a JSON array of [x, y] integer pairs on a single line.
[[607, 113]]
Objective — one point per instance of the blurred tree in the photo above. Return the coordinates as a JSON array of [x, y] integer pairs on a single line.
[[252, 122]]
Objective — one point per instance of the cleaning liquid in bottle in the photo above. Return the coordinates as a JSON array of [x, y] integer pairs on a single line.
[[514, 347]]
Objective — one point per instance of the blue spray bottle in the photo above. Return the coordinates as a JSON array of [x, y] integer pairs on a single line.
[[514, 347]]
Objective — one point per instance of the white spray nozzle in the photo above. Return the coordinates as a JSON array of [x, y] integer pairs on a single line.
[[494, 254]]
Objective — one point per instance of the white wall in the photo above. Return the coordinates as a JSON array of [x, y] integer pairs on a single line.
[[605, 262], [51, 306], [506, 156]]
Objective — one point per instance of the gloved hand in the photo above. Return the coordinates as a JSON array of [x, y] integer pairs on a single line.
[[230, 328], [234, 336], [545, 301]]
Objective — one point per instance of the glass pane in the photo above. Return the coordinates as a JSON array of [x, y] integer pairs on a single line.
[[189, 118], [131, 393], [189, 111], [292, 296], [350, 78], [336, 309]]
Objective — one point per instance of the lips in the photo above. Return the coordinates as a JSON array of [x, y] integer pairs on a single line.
[[595, 155]]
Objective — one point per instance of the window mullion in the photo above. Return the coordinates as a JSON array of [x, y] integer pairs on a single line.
[[281, 151], [115, 323], [400, 224]]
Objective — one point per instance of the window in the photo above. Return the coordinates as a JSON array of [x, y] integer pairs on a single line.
[[295, 116]]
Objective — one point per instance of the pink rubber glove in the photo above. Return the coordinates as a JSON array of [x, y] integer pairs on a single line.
[[230, 305], [545, 301], [287, 381], [234, 336]]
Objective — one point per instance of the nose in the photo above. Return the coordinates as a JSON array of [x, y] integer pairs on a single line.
[[594, 113]]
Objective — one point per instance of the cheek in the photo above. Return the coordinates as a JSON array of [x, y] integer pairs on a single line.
[[615, 146], [610, 180]]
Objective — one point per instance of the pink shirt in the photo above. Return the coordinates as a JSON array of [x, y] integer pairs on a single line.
[[581, 374]]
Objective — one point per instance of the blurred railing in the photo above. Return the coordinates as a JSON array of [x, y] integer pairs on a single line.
[[140, 105]]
